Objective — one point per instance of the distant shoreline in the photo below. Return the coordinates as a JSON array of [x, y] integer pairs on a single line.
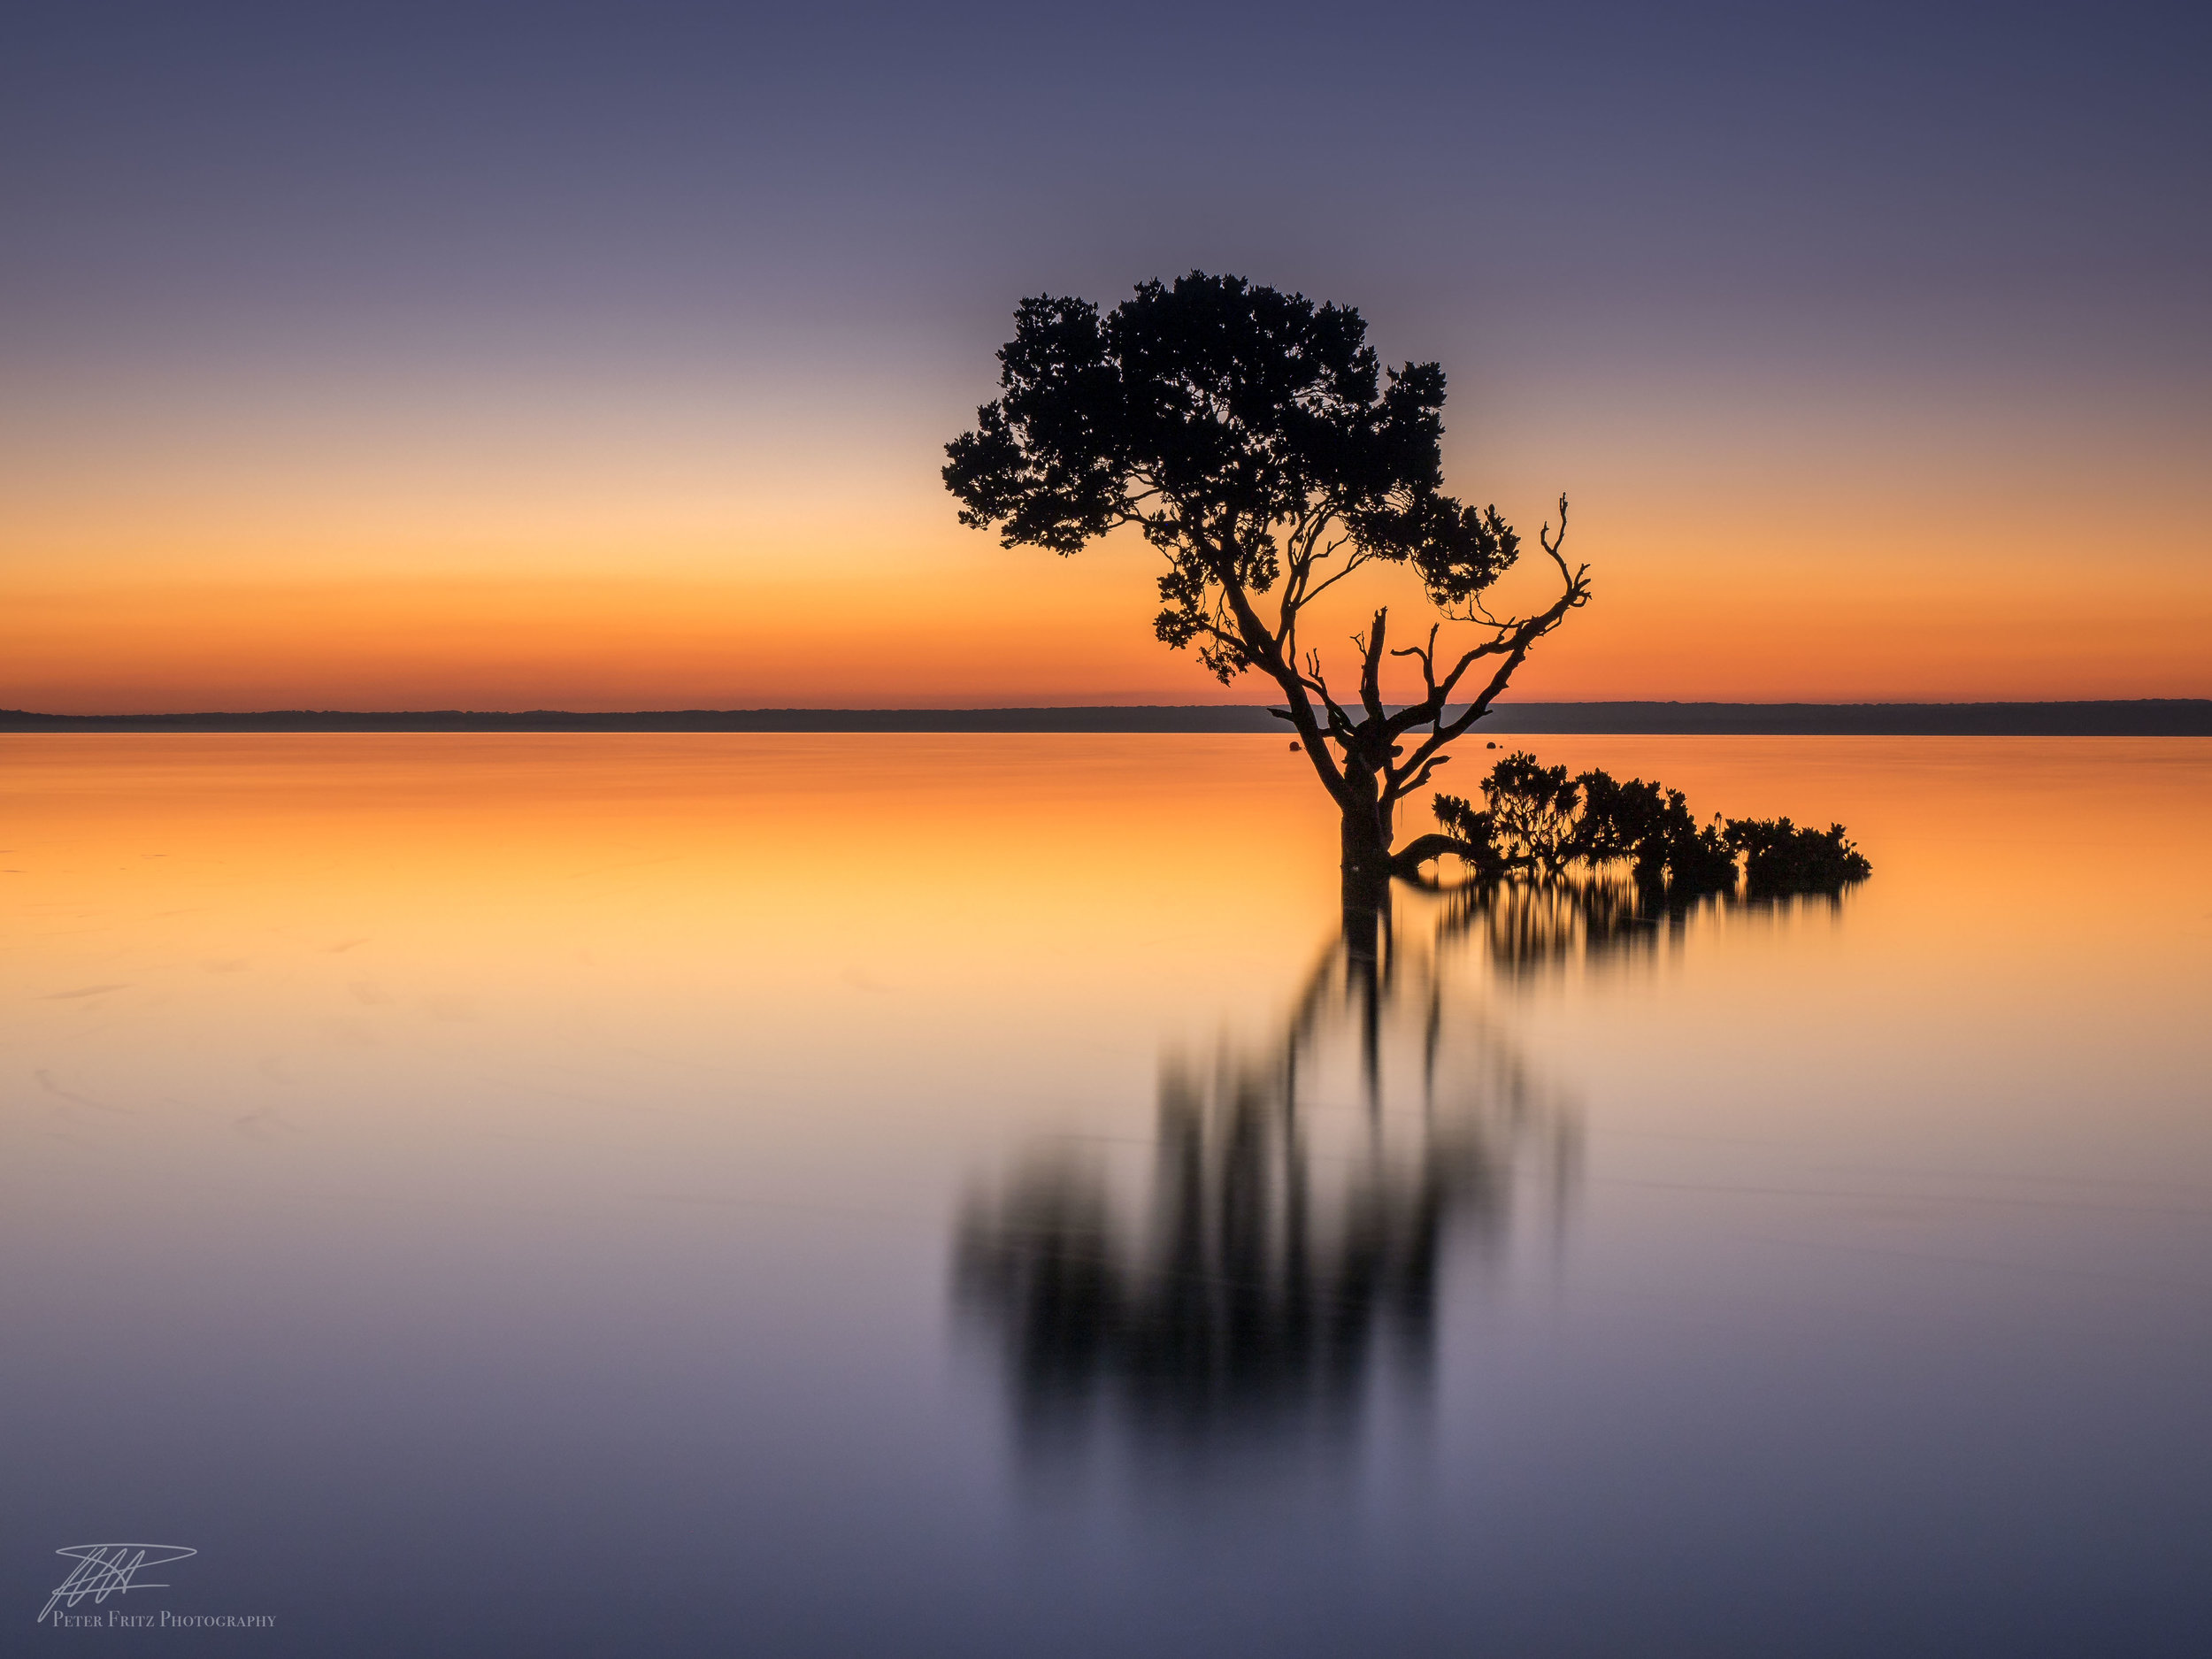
[[2162, 717]]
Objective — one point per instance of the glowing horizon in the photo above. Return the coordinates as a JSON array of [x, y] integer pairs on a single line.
[[510, 406]]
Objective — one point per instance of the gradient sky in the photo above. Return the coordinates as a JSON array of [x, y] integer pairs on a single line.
[[602, 357]]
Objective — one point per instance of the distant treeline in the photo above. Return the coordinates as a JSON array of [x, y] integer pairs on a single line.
[[2160, 716]]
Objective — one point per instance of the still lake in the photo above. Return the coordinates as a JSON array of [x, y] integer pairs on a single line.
[[915, 1196]]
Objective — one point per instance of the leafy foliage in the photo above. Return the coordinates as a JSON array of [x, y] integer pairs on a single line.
[[1463, 819], [1236, 426], [1533, 821], [1539, 820], [1780, 857]]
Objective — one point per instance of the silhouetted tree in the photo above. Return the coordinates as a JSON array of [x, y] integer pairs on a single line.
[[1255, 439]]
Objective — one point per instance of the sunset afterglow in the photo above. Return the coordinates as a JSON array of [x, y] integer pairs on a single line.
[[1181, 829], [441, 394]]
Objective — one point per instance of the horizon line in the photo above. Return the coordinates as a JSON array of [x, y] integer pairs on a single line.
[[2097, 717]]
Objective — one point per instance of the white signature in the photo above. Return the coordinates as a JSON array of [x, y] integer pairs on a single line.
[[103, 1570]]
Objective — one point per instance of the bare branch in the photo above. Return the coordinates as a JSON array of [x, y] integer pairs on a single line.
[[1515, 648], [1427, 654], [1371, 671], [1359, 557], [1340, 721]]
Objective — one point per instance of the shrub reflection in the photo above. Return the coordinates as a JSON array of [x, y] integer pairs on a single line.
[[1526, 926]]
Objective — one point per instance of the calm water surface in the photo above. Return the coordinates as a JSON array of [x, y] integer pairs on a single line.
[[958, 1196]]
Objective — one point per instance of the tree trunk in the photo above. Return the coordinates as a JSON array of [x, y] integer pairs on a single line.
[[1408, 858], [1367, 868]]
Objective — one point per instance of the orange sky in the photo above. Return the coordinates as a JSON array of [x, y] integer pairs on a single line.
[[616, 370], [468, 565]]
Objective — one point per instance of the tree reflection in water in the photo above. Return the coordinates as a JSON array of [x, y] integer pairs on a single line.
[[1287, 1243]]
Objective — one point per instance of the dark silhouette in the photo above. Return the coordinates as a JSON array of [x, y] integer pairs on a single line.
[[1301, 1201], [1255, 439], [1780, 857], [1538, 822]]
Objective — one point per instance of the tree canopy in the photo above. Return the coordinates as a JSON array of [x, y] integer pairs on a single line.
[[1240, 428]]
